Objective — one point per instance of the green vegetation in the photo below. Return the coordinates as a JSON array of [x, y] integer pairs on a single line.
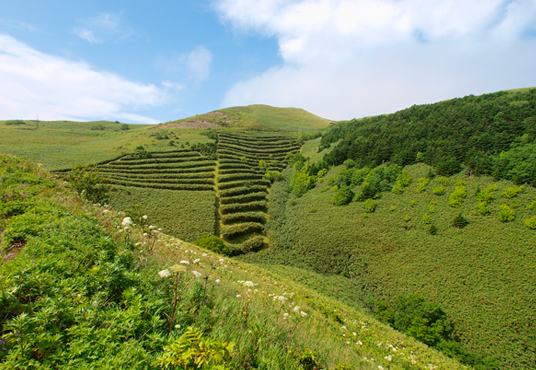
[[83, 287], [260, 117], [491, 134]]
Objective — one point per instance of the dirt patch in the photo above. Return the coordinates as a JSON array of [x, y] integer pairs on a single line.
[[187, 124]]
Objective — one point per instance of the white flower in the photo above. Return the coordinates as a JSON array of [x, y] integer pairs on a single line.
[[354, 334], [280, 298], [185, 262], [126, 221], [249, 283], [221, 260], [204, 255], [197, 275], [217, 281], [285, 315], [343, 328], [359, 342], [389, 358], [238, 296], [105, 211], [380, 367], [144, 217], [145, 234], [152, 227], [303, 314], [197, 260], [296, 309], [159, 229], [164, 273]]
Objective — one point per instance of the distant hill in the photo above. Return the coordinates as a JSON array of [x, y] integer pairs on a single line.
[[260, 117]]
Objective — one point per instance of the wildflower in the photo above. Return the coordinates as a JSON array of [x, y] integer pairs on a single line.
[[238, 296], [359, 343], [249, 283], [389, 358], [184, 262], [343, 328], [144, 217], [296, 309], [152, 227], [164, 273], [380, 367], [126, 221], [197, 260], [145, 234], [217, 281], [303, 314], [204, 255], [355, 334], [105, 211], [221, 260], [177, 268], [285, 315], [197, 275]]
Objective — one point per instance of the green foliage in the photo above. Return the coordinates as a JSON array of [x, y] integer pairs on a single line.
[[404, 179], [423, 182], [14, 122], [273, 176], [308, 360], [342, 196], [530, 222], [99, 127], [213, 243], [301, 182], [486, 195], [392, 208], [369, 205], [433, 230], [432, 207], [442, 180], [89, 183], [459, 221], [125, 127], [513, 191], [506, 214], [398, 189], [427, 219], [140, 153], [192, 351], [456, 198]]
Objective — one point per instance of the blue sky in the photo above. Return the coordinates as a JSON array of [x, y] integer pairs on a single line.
[[150, 62]]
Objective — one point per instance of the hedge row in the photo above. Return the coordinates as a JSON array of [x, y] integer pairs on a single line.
[[234, 165], [199, 187], [239, 176], [243, 217], [258, 149], [178, 176], [166, 166], [236, 184], [229, 171], [256, 139], [253, 145], [233, 231], [164, 181], [156, 161], [243, 207], [159, 157], [252, 157], [225, 158], [253, 244], [244, 198], [243, 190], [162, 171]]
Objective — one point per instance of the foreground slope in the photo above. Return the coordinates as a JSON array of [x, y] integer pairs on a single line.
[[84, 288]]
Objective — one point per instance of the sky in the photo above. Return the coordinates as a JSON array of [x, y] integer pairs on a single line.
[[149, 62]]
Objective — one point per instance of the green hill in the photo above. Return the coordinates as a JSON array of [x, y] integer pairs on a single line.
[[83, 287], [424, 218], [258, 117]]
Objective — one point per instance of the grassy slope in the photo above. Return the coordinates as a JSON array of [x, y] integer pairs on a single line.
[[64, 325], [61, 144], [483, 275], [265, 117]]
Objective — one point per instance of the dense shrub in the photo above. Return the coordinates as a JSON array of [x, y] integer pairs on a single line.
[[213, 243]]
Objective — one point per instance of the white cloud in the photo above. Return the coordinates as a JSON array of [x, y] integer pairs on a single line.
[[198, 63], [103, 27], [58, 88], [350, 58]]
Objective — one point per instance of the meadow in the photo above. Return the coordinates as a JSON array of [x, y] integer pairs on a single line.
[[482, 274], [84, 287]]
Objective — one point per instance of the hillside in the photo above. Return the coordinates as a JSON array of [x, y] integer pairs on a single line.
[[256, 117], [85, 287]]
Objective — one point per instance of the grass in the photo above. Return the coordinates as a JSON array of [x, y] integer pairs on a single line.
[[63, 144], [184, 214], [81, 290], [263, 117], [471, 272]]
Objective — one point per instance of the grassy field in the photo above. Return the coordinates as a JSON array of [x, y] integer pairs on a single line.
[[263, 117], [482, 275], [83, 289], [184, 214], [62, 144]]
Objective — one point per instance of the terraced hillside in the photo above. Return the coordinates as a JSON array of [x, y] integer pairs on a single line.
[[245, 164], [175, 170]]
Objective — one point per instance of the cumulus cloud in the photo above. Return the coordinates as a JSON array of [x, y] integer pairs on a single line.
[[62, 89], [193, 67], [103, 27], [352, 58]]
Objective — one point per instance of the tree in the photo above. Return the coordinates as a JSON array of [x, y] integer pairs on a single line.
[[89, 183]]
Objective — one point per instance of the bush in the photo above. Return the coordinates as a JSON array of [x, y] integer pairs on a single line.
[[14, 122], [457, 197], [273, 176], [433, 230], [404, 179], [427, 219], [89, 183], [213, 243], [423, 182], [125, 127], [506, 214], [513, 191], [460, 222], [342, 196], [530, 223], [369, 205], [438, 190]]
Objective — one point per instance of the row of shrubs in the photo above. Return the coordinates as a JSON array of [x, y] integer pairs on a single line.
[[260, 205], [163, 155], [204, 169], [198, 187], [253, 156], [164, 181], [241, 229], [166, 166], [243, 190], [239, 176], [244, 198], [243, 217], [133, 162], [259, 148], [152, 176], [228, 171], [236, 184]]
